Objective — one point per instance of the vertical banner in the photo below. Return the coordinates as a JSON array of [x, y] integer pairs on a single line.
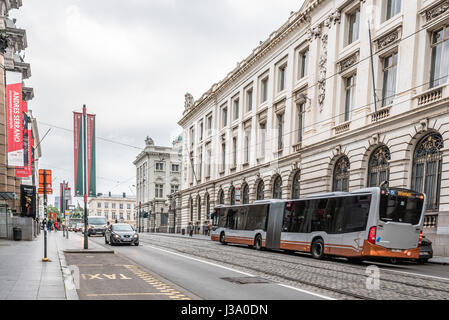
[[91, 168], [14, 116], [28, 201], [26, 171], [78, 148]]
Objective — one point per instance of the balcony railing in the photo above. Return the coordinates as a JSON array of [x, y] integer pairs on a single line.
[[297, 147], [430, 96], [430, 221], [381, 114], [342, 128]]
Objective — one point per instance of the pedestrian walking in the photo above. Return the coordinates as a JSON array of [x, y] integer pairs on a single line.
[[56, 225], [190, 229], [209, 229], [49, 225]]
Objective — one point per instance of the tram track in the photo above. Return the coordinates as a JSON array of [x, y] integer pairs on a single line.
[[416, 290]]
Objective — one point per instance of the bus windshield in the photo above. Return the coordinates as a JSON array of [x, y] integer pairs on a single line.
[[401, 207]]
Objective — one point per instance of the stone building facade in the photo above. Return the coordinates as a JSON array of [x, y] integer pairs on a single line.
[[120, 208], [13, 42], [158, 177], [298, 116]]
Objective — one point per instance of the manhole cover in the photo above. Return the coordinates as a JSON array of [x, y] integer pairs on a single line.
[[246, 280]]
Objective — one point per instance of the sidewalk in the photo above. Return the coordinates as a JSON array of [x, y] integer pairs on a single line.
[[23, 275], [440, 260]]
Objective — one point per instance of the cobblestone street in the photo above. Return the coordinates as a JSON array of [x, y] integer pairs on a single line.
[[335, 278]]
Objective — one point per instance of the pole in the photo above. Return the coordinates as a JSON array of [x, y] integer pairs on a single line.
[[61, 207], [372, 70], [45, 259], [85, 175]]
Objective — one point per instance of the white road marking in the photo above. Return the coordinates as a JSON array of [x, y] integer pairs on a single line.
[[238, 271]]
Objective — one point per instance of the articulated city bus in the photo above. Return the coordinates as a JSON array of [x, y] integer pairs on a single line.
[[372, 222]]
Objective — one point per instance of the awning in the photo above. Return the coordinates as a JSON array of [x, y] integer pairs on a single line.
[[8, 196]]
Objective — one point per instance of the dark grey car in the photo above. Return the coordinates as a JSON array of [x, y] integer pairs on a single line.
[[121, 233]]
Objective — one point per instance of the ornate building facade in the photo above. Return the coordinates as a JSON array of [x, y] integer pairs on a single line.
[[158, 178], [114, 208], [306, 112]]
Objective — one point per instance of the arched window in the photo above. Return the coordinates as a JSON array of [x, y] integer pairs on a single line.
[[260, 190], [277, 188], [198, 203], [341, 175], [295, 185], [426, 173], [245, 194], [232, 196], [191, 209], [378, 166], [207, 206], [221, 197]]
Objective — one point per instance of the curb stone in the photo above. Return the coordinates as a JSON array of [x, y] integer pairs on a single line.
[[69, 283]]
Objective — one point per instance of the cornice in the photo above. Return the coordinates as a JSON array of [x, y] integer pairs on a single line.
[[295, 20], [28, 93]]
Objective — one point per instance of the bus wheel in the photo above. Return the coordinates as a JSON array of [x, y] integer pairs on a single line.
[[222, 238], [317, 249], [258, 242]]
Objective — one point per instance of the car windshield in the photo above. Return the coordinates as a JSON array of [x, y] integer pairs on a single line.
[[97, 221], [79, 225], [123, 227]]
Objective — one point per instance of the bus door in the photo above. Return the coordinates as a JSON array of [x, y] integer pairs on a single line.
[[400, 219], [274, 226]]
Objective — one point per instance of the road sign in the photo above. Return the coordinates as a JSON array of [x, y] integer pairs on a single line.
[[47, 181]]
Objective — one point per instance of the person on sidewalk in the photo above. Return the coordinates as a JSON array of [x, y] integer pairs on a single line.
[[56, 225], [49, 225], [190, 229]]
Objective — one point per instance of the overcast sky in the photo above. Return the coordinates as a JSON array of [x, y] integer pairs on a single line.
[[131, 62]]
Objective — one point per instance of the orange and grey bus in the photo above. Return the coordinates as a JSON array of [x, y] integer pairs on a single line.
[[372, 222]]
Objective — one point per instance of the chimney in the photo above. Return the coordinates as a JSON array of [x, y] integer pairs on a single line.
[[109, 193], [124, 194]]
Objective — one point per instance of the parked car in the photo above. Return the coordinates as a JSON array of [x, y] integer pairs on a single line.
[[79, 227], [426, 251], [121, 233], [96, 225]]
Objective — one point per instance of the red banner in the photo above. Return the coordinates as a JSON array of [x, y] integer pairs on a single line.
[[77, 126], [26, 171], [14, 127]]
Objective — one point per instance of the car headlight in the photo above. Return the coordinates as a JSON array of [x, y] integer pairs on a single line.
[[89, 227], [135, 235], [116, 236]]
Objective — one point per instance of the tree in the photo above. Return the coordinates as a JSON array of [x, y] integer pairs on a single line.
[[77, 213]]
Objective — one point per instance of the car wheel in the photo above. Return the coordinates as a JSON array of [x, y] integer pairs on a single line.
[[111, 242], [317, 249], [136, 244]]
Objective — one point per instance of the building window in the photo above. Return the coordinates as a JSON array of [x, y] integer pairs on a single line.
[[245, 194], [393, 8], [113, 206], [106, 205], [249, 99], [389, 81], [354, 26], [128, 206], [98, 204], [192, 136], [209, 125], [232, 196], [121, 206], [378, 166], [295, 185], [282, 77], [341, 175], [159, 191], [209, 160], [106, 215], [128, 216], [224, 117], [303, 63], [175, 167], [280, 131], [207, 206], [159, 166], [264, 90], [277, 188], [439, 69], [236, 109], [263, 134], [247, 146], [223, 157], [234, 152], [174, 188], [121, 216], [427, 168], [198, 202], [221, 197], [301, 121], [201, 130], [350, 84], [260, 190]]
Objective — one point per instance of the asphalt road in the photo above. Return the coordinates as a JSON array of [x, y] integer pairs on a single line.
[[208, 280]]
